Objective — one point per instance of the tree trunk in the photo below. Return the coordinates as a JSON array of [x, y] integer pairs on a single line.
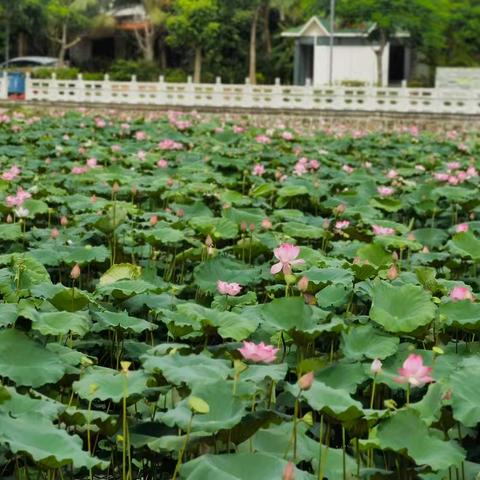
[[197, 72], [162, 53], [63, 47], [266, 29], [7, 38], [21, 44], [252, 72], [379, 54], [149, 51]]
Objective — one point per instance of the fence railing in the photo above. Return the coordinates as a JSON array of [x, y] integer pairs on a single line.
[[277, 96]]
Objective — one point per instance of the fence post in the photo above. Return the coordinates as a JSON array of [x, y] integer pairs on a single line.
[[105, 90], [4, 86], [189, 98], [248, 94], [79, 89], [52, 94]]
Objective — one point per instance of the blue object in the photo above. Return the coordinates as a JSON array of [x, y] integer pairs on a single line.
[[16, 83]]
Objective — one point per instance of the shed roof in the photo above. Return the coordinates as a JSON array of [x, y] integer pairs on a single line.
[[321, 27]]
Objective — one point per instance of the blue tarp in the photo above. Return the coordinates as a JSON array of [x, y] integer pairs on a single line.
[[16, 83]]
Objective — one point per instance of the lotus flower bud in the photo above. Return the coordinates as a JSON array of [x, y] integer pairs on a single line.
[[64, 221], [54, 233], [9, 218], [305, 381], [209, 241], [303, 284], [392, 273], [243, 226], [251, 227], [115, 187], [376, 366], [289, 472], [153, 220], [75, 272]]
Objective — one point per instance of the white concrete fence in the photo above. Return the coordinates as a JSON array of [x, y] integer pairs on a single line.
[[161, 93]]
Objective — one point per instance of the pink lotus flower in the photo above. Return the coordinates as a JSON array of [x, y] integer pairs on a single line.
[[168, 144], [441, 176], [453, 180], [64, 221], [79, 170], [348, 169], [162, 163], [100, 123], [11, 173], [453, 165], [263, 139], [472, 172], [266, 224], [378, 230], [258, 170], [238, 129], [461, 293], [414, 372], [141, 155], [287, 255], [54, 233], [452, 134], [288, 136], [342, 224], [140, 135], [462, 227], [92, 162], [18, 199], [300, 168], [314, 164], [231, 289], [75, 272], [258, 352], [385, 191], [392, 173]]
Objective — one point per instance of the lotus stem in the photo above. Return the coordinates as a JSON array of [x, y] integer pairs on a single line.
[[184, 446]]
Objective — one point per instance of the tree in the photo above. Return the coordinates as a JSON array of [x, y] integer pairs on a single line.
[[421, 18], [67, 21], [194, 24], [149, 25]]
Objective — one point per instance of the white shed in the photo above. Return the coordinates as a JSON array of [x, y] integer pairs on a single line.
[[354, 58]]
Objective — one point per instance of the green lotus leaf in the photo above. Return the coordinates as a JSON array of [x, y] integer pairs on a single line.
[[107, 384], [35, 436], [336, 403], [62, 323], [287, 313], [463, 314], [8, 314], [226, 269], [9, 232], [243, 466], [27, 362], [465, 244], [226, 410], [366, 341], [189, 369], [422, 446], [401, 308], [121, 320], [121, 271]]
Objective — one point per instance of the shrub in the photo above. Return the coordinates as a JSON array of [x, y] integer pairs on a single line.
[[62, 73], [122, 70]]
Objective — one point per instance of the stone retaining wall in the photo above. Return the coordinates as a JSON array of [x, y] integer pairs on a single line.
[[299, 119]]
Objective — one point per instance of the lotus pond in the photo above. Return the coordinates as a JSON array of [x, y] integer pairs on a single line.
[[201, 300]]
